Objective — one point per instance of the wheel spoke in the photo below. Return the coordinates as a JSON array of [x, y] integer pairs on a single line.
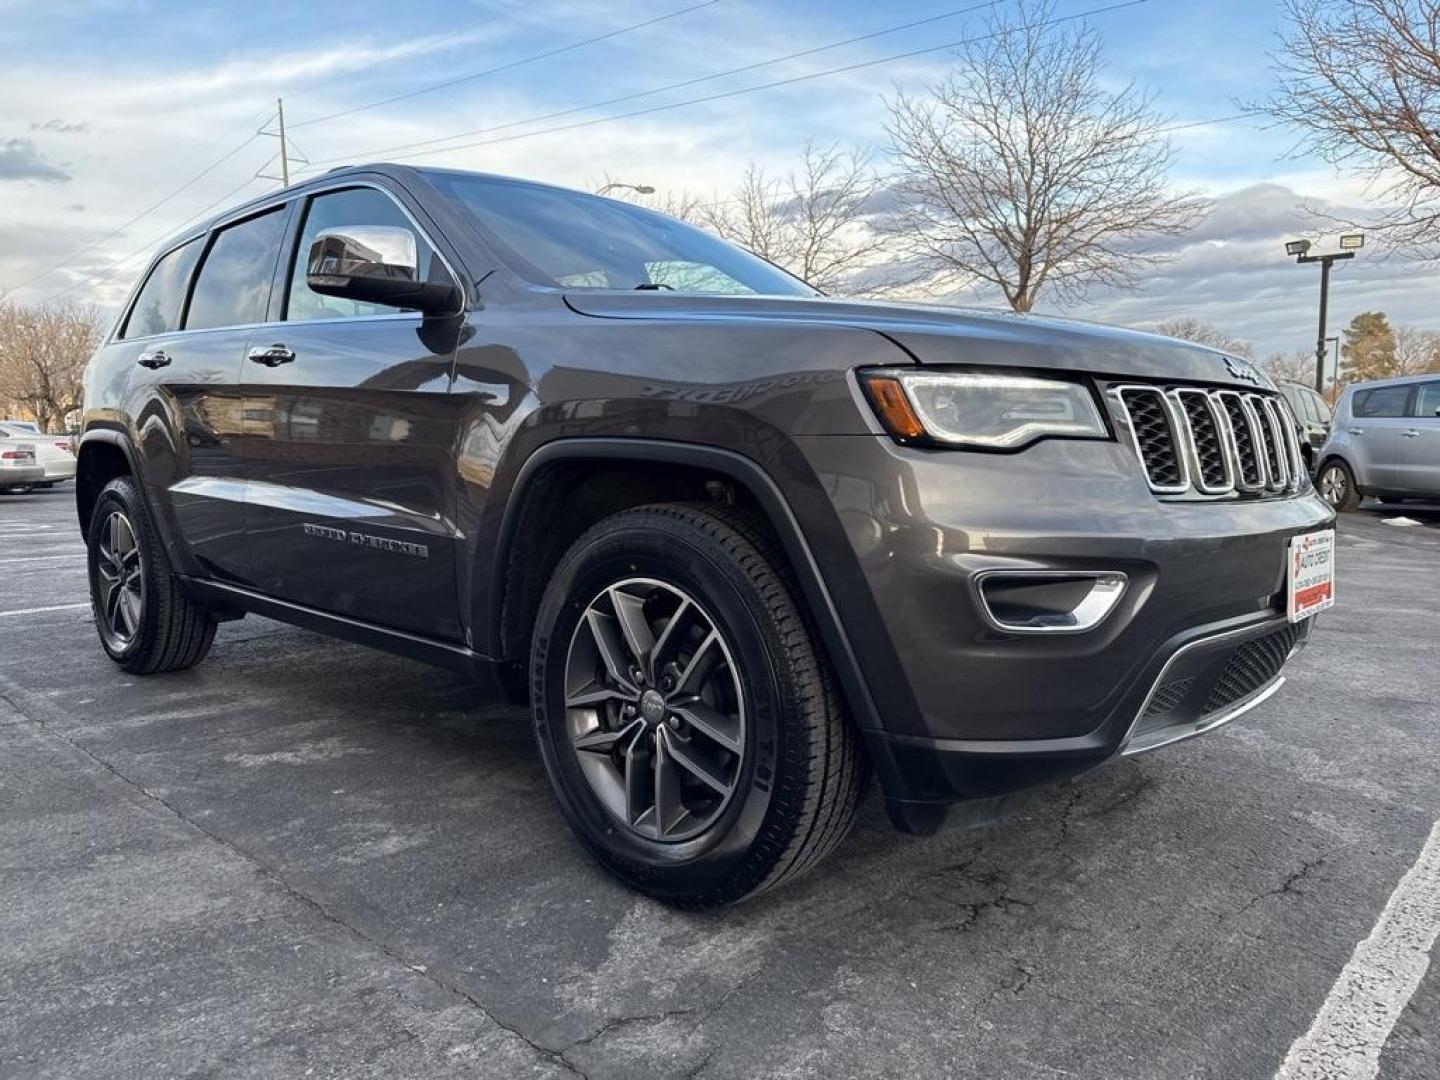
[[108, 587], [702, 662], [112, 609], [630, 614], [129, 610], [612, 651], [710, 722], [601, 741], [638, 784], [664, 641], [688, 758], [596, 694], [670, 810]]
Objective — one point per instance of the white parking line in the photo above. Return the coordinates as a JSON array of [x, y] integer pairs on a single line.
[[42, 610], [1349, 1032], [41, 558]]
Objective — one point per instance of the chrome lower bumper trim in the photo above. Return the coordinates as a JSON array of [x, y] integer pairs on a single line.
[[1153, 740]]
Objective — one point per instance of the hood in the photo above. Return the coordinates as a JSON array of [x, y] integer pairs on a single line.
[[932, 334]]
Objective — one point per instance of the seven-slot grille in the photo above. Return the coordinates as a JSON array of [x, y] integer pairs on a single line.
[[1214, 442]]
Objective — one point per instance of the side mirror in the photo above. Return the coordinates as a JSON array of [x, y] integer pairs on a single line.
[[376, 264]]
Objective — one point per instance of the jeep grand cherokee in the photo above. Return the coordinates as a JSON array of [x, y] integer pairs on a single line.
[[739, 545]]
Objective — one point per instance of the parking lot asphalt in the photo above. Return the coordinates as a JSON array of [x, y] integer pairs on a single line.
[[307, 859]]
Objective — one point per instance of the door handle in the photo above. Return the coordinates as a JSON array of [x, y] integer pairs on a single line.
[[271, 355], [1413, 433], [153, 358], [1357, 431]]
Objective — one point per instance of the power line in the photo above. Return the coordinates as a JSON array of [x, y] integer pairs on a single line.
[[689, 82], [504, 67], [105, 275], [148, 210]]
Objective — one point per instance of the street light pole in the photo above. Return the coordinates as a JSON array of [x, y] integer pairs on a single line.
[[1349, 244], [639, 189], [1320, 339]]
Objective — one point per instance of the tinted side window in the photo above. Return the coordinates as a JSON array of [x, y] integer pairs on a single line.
[[233, 288], [157, 308], [1382, 401], [1427, 400], [339, 209]]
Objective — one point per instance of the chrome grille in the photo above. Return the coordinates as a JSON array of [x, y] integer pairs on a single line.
[[1200, 417], [1152, 425], [1212, 442], [1244, 437]]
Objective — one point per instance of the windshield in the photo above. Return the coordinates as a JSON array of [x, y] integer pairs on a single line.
[[571, 240]]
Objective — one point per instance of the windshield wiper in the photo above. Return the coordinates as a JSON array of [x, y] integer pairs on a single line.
[[652, 286]]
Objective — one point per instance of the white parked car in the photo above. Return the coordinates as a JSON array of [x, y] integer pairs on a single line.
[[19, 469], [54, 453]]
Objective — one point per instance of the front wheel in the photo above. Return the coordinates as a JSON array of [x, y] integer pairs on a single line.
[[146, 620], [684, 710], [1336, 484]]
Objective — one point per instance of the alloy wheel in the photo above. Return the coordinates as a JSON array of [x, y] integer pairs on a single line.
[[119, 581], [654, 709], [1333, 485]]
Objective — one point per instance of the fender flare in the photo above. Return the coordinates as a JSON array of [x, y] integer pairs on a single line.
[[110, 437], [758, 482]]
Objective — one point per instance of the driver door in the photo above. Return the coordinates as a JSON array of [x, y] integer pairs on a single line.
[[351, 435]]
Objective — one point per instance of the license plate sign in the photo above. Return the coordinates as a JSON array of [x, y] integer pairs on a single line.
[[1310, 574]]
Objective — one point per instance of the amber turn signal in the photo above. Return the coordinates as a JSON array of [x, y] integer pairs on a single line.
[[892, 406]]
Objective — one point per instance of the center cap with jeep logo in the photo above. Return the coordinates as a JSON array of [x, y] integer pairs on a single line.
[[652, 707]]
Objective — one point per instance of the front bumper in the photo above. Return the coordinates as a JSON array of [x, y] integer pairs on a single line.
[[968, 710]]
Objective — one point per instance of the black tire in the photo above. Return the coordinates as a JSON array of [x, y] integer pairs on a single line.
[[165, 629], [1336, 484], [801, 774]]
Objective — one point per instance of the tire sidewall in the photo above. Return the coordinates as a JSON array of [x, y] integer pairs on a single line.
[[709, 576]]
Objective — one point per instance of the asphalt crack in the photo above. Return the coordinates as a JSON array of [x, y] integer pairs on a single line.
[[1288, 886]]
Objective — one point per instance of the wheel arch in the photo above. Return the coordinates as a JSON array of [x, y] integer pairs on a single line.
[[673, 470], [102, 456]]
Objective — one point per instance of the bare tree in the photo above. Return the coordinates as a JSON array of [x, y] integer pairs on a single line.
[[1022, 171], [1417, 352], [1296, 367], [1203, 333], [814, 221], [43, 351], [1360, 79]]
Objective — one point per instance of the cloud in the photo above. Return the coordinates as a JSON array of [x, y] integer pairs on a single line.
[[75, 207], [20, 160], [61, 127]]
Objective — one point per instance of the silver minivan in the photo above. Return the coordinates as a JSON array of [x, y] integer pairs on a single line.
[[1384, 441]]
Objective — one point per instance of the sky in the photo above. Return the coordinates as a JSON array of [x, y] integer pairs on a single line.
[[112, 108]]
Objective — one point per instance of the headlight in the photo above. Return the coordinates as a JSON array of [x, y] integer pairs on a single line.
[[982, 410]]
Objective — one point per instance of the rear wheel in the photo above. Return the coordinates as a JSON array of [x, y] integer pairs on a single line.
[[146, 621], [684, 711], [1336, 484]]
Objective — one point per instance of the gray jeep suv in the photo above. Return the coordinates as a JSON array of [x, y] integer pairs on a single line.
[[739, 546], [1384, 441]]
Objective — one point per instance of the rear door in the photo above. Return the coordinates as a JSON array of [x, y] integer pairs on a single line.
[[183, 402], [1379, 416], [350, 442], [1420, 455]]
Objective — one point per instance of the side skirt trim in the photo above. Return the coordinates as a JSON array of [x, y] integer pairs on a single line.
[[441, 653]]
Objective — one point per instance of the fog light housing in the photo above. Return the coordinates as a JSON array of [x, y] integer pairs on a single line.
[[1048, 601]]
